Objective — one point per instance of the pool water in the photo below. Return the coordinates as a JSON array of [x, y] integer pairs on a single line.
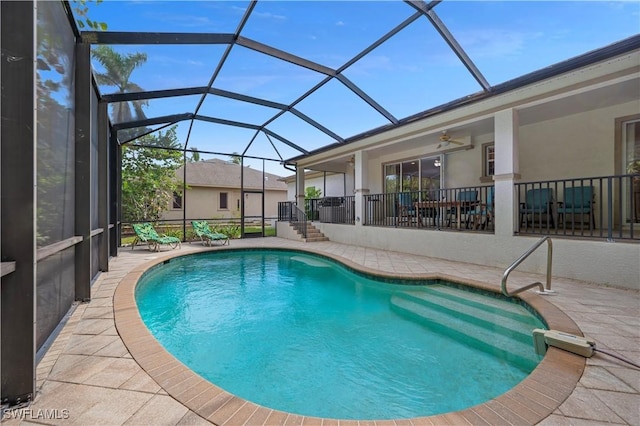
[[303, 334]]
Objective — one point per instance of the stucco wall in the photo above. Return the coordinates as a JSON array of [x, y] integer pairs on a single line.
[[335, 185], [204, 203], [578, 145], [615, 264]]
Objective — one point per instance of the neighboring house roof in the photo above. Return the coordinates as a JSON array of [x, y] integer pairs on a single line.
[[225, 174]]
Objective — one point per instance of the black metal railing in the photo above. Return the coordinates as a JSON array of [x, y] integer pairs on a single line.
[[289, 211], [332, 209], [593, 207], [468, 208]]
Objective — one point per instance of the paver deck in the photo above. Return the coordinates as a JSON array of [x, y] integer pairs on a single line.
[[89, 376]]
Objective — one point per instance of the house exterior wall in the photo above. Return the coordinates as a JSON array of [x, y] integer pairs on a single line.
[[578, 145], [566, 146], [204, 203], [335, 185]]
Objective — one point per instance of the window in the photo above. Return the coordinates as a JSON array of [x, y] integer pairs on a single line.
[[177, 200], [413, 175], [224, 200], [488, 162]]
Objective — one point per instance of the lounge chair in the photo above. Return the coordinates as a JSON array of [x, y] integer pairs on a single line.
[[145, 233], [206, 235]]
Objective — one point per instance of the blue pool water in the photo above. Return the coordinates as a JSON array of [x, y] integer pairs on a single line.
[[302, 334]]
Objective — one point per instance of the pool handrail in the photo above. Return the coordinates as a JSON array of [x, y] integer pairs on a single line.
[[519, 260]]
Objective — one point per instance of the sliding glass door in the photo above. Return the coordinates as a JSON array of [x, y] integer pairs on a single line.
[[413, 176]]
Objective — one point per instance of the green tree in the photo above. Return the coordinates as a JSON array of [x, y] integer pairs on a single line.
[[311, 192], [236, 158], [81, 12], [148, 176], [118, 70], [195, 155]]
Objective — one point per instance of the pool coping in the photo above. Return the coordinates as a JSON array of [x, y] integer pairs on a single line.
[[529, 402]]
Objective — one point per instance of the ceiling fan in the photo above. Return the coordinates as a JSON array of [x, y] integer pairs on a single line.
[[445, 140]]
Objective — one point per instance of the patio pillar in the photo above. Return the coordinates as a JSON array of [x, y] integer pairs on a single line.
[[361, 183], [17, 133], [300, 187], [103, 184], [506, 129], [83, 89]]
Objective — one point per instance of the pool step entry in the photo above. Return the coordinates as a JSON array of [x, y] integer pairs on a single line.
[[313, 234], [486, 325]]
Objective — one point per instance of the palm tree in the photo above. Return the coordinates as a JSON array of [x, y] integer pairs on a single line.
[[118, 72]]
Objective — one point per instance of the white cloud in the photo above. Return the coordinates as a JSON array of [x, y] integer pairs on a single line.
[[188, 21], [340, 24], [492, 43], [269, 15]]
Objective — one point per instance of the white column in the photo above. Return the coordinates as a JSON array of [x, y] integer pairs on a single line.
[[300, 187], [361, 184], [506, 129]]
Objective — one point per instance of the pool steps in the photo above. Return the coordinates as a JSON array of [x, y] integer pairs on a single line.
[[461, 315]]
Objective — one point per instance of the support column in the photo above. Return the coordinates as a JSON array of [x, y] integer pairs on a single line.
[[300, 187], [506, 129], [361, 184], [114, 190], [18, 198], [103, 185], [83, 88]]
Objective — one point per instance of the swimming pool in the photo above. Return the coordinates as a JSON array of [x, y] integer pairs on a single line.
[[380, 350]]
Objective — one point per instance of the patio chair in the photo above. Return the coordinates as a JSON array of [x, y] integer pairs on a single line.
[[206, 234], [482, 214], [406, 210], [468, 201], [146, 233], [578, 200], [537, 201]]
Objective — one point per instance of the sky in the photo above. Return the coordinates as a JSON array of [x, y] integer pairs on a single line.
[[413, 71]]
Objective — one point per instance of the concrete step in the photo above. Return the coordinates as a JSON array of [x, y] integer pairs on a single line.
[[313, 234], [498, 342], [315, 239]]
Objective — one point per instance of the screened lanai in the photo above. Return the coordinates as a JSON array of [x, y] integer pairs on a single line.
[[279, 79], [267, 82], [271, 82]]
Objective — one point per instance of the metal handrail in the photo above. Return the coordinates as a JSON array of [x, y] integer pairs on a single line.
[[299, 220], [521, 259]]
